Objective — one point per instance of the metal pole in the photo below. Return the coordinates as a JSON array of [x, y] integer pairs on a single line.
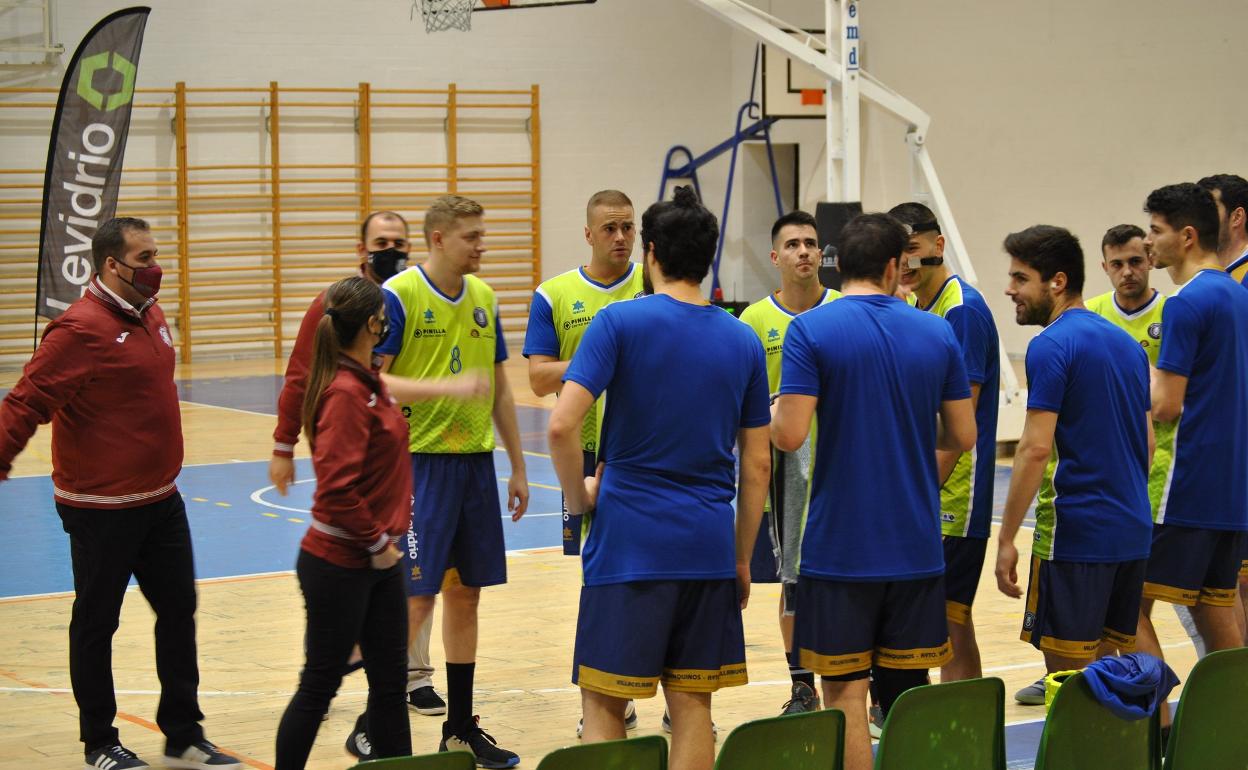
[[851, 174], [831, 125]]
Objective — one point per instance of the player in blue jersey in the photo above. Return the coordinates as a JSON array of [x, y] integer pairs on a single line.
[[685, 382], [1086, 448], [1202, 521], [1230, 193], [876, 374]]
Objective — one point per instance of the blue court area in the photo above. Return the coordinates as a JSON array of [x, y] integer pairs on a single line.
[[242, 526]]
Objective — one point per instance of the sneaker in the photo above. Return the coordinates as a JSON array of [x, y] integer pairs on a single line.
[[803, 700], [667, 726], [479, 743], [425, 700], [115, 757], [875, 722], [200, 756], [358, 745], [630, 719], [1032, 694]]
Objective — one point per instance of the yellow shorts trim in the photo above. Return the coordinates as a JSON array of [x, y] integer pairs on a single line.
[[834, 665], [957, 612], [918, 657], [1164, 593], [616, 685], [1219, 597], [1122, 641], [1068, 648], [704, 680]]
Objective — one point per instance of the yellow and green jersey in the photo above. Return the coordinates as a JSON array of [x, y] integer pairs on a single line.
[[1144, 326], [1239, 268], [436, 336], [560, 312], [770, 320], [966, 496]]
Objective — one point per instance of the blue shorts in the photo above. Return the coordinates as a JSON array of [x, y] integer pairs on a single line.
[[843, 628], [686, 634], [964, 561], [573, 526], [1073, 606], [456, 523], [1189, 565]]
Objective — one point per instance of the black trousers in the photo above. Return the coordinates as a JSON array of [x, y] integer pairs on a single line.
[[345, 606], [152, 543]]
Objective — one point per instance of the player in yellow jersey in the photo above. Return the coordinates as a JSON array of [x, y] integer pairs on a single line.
[[444, 323], [795, 253], [560, 312]]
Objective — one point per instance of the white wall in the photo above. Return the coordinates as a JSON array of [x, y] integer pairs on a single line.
[[1067, 112]]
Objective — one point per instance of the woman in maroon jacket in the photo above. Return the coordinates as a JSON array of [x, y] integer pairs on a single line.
[[348, 566]]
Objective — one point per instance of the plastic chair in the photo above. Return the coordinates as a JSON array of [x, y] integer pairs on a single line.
[[1082, 734], [1208, 729], [956, 725], [646, 753], [446, 760], [810, 741]]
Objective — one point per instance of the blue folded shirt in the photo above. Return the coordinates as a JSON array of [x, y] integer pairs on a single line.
[[1130, 686]]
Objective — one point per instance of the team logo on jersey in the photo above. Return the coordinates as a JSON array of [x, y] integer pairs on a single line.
[[123, 336], [773, 334], [474, 333], [1029, 621], [1154, 331], [478, 315], [429, 315], [164, 335], [578, 307]]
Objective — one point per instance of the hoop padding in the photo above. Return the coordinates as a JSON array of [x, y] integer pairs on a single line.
[[441, 15]]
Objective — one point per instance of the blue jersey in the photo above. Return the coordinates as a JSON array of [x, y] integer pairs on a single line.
[[681, 380], [1206, 340], [880, 370], [1095, 377]]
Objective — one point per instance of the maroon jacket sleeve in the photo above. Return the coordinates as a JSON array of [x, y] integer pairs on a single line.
[[290, 401], [59, 368], [342, 440]]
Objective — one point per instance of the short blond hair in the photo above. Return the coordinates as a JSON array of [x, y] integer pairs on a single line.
[[446, 210], [606, 198]]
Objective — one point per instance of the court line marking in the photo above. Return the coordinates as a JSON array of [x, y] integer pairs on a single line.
[[137, 720]]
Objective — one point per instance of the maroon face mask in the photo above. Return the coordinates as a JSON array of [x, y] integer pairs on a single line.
[[145, 280]]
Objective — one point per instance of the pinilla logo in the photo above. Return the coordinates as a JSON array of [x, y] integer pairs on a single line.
[[86, 80]]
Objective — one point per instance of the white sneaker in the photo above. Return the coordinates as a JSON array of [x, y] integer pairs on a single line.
[[200, 756]]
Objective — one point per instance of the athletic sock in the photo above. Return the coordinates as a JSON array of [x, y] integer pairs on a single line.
[[799, 674], [459, 678]]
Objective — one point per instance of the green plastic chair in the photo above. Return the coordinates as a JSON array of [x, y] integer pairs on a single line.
[[1208, 729], [1082, 734], [446, 760], [646, 753], [810, 741], [954, 726]]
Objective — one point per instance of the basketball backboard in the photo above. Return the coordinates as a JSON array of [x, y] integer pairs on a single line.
[[792, 89]]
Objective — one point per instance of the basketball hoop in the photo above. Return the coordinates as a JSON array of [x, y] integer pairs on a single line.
[[441, 15]]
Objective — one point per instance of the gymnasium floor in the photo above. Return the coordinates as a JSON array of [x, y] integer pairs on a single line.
[[251, 620]]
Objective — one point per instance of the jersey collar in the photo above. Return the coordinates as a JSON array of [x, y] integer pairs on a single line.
[[943, 287], [1113, 297], [451, 300], [776, 302], [606, 287], [1238, 263]]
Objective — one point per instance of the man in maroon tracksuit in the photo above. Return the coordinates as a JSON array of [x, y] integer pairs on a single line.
[[103, 376]]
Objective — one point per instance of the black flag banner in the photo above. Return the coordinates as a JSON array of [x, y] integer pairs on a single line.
[[84, 156]]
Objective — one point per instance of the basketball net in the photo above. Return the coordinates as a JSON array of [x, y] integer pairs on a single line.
[[441, 15]]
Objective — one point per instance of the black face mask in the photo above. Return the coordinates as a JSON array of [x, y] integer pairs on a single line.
[[384, 331], [387, 263]]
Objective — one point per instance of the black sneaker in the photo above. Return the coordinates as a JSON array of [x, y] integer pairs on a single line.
[[802, 700], [358, 744], [115, 757], [479, 743], [200, 756], [425, 700]]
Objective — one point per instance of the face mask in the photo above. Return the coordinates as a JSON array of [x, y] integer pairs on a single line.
[[384, 331], [145, 280], [387, 263]]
